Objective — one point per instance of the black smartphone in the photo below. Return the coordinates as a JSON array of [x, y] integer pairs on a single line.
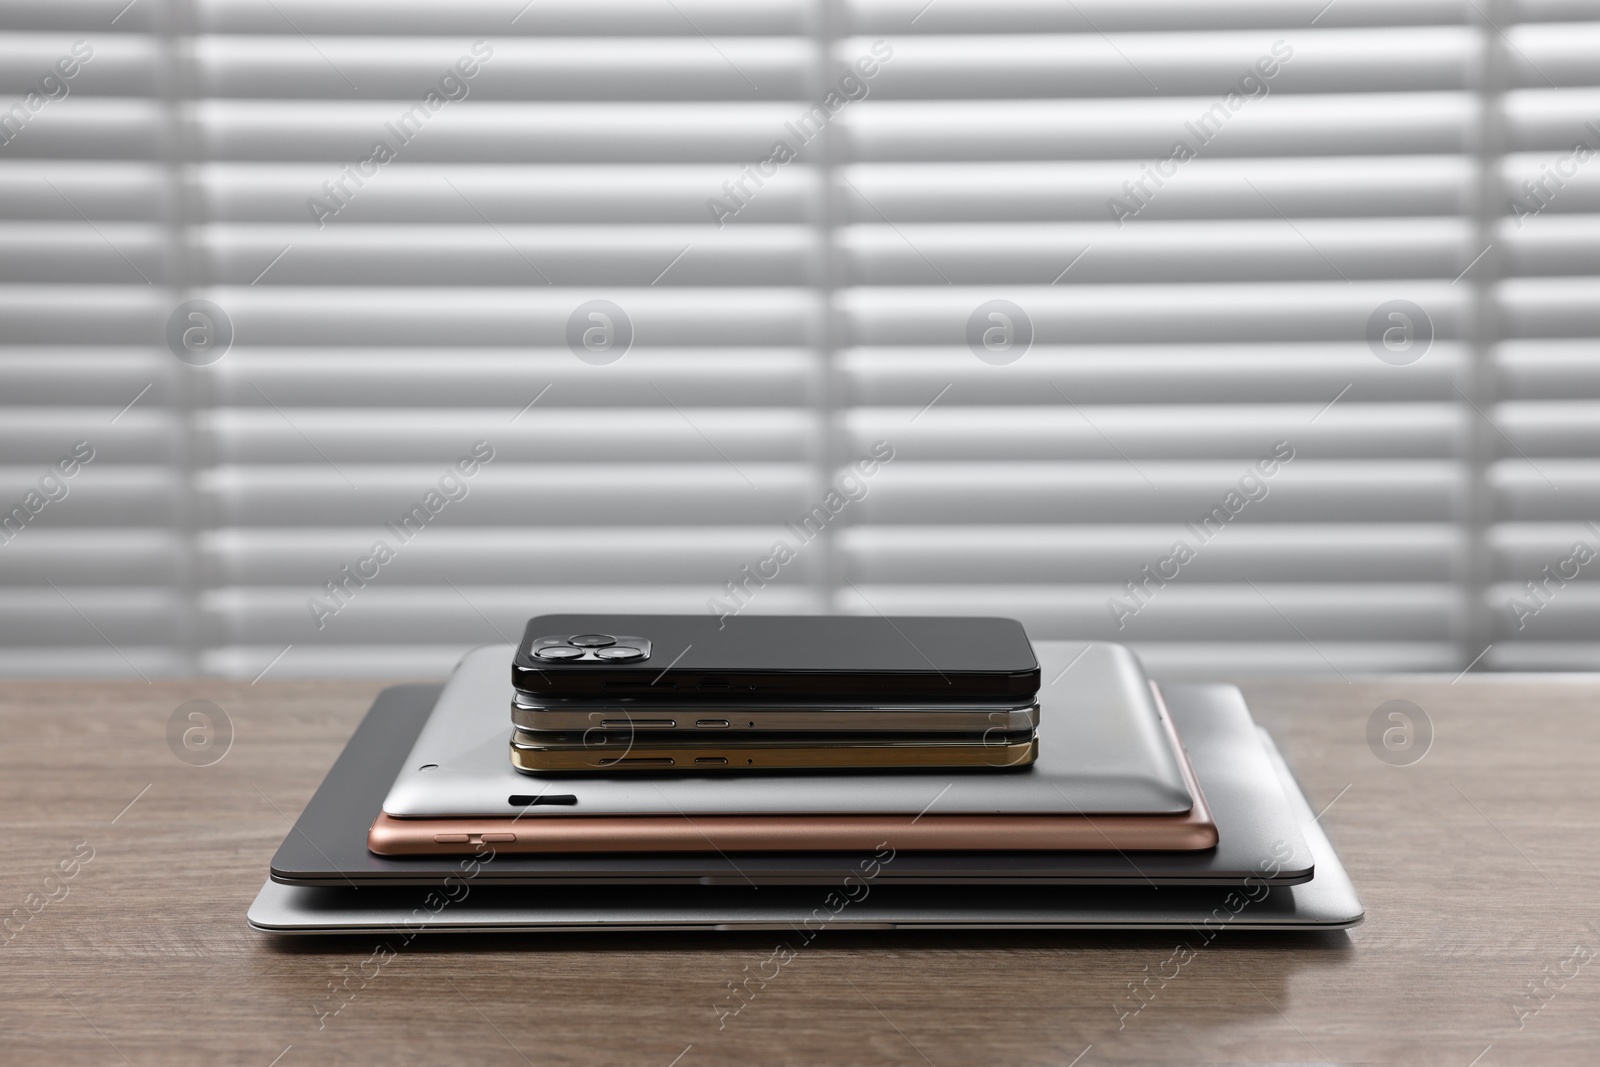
[[761, 658]]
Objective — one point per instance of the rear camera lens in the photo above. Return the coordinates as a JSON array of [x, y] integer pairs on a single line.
[[592, 640], [620, 652], [558, 652]]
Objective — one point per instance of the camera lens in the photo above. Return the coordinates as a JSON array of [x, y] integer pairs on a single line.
[[558, 652], [620, 652], [592, 640]]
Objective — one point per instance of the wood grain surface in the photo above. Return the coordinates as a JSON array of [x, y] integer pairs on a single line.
[[1477, 864]]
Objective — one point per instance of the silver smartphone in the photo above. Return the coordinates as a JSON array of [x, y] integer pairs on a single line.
[[566, 716]]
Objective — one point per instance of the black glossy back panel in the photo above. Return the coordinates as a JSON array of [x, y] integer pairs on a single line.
[[767, 657]]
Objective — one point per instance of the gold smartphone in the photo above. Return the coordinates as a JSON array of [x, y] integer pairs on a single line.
[[541, 753]]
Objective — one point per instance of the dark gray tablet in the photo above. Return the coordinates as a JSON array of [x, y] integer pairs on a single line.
[[1259, 833], [1326, 902]]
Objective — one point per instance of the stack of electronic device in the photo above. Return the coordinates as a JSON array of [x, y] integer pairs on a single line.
[[775, 693], [861, 772]]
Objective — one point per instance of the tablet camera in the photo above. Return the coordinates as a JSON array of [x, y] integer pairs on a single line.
[[559, 652], [623, 652]]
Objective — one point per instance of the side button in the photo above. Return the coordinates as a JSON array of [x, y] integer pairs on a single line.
[[450, 839], [499, 838]]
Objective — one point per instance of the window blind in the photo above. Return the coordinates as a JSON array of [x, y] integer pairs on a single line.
[[1259, 336]]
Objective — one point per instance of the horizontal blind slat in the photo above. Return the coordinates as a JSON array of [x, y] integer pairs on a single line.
[[980, 161]]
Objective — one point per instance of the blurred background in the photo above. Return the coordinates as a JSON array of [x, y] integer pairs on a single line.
[[589, 304]]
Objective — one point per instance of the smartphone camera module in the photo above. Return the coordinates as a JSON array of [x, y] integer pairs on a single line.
[[590, 648]]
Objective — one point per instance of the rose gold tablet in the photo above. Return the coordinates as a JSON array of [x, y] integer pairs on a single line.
[[1192, 830]]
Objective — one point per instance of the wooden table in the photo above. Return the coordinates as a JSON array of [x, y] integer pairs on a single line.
[[1477, 866]]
